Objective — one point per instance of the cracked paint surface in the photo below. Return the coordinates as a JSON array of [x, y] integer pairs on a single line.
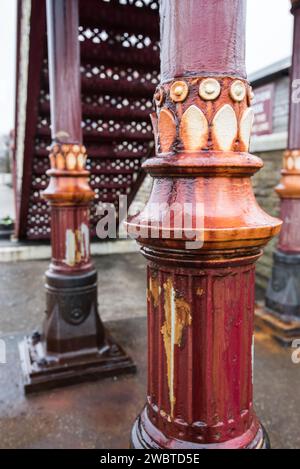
[[70, 248], [77, 245], [177, 317]]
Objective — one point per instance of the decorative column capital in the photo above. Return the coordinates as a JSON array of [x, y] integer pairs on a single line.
[[69, 180], [202, 128], [203, 114], [289, 186], [67, 157]]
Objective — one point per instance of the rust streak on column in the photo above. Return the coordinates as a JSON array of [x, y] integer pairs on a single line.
[[74, 345], [201, 279]]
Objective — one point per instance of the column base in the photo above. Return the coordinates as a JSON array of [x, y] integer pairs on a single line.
[[283, 293], [74, 345], [280, 316], [284, 332], [145, 435], [42, 372]]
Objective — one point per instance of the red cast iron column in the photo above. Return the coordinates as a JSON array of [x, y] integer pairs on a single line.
[[74, 345], [201, 298], [282, 315]]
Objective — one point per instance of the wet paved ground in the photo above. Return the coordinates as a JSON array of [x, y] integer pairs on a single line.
[[90, 415], [100, 414]]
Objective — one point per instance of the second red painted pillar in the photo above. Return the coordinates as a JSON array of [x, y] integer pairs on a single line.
[[281, 317]]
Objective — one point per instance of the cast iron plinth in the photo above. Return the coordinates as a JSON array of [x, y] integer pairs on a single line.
[[281, 316], [283, 293], [74, 346]]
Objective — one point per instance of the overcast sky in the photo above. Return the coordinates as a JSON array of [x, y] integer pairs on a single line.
[[269, 39]]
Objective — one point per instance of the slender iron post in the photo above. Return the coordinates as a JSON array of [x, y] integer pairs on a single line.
[[201, 279], [74, 345], [281, 316]]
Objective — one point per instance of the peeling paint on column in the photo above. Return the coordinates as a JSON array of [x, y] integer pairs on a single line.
[[177, 317], [70, 248], [77, 245], [154, 290], [85, 241], [199, 291], [252, 355]]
